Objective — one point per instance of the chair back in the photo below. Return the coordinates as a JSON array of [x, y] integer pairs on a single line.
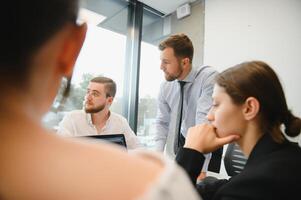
[[234, 160]]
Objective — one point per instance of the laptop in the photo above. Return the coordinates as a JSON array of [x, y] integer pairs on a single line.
[[112, 138]]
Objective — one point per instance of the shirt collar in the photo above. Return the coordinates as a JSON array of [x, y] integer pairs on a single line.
[[191, 76], [89, 119]]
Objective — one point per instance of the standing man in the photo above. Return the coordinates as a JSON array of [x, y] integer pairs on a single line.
[[175, 113], [96, 118]]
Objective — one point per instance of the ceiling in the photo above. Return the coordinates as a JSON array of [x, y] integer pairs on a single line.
[[166, 6]]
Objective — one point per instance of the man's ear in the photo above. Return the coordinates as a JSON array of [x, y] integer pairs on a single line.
[[71, 48], [251, 108], [185, 61], [110, 100]]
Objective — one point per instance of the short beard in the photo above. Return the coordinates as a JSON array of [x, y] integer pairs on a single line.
[[172, 78], [94, 110]]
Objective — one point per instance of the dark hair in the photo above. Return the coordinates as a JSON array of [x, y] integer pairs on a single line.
[[26, 25], [181, 44], [110, 85], [257, 79]]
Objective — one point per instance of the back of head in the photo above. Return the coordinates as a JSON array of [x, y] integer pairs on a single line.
[[257, 79], [110, 85], [28, 25], [181, 44]]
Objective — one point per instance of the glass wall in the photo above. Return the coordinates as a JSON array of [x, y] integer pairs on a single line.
[[103, 53], [150, 76], [106, 51]]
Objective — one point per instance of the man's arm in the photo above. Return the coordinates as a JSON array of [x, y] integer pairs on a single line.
[[131, 138], [203, 106], [205, 99], [162, 121]]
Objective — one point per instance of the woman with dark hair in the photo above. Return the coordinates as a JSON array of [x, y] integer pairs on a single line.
[[249, 107], [40, 41]]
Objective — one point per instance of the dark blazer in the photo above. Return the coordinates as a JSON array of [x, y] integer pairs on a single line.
[[273, 171]]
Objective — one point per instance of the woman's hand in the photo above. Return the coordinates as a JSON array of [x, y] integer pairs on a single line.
[[204, 139]]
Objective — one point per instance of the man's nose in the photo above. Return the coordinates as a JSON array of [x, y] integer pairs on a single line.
[[162, 67], [88, 96]]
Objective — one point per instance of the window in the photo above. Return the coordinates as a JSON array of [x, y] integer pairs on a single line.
[[103, 53], [150, 77]]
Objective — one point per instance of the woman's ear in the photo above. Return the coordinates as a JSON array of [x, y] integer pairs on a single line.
[[70, 49], [251, 108]]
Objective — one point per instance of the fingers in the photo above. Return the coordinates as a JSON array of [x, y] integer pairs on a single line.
[[228, 139], [204, 139], [201, 138]]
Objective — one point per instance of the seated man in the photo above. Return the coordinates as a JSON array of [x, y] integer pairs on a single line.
[[96, 117]]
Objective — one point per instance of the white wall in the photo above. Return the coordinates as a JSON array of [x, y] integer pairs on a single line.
[[193, 27], [268, 30]]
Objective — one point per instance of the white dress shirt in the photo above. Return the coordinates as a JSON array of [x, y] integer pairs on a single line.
[[79, 123], [196, 103]]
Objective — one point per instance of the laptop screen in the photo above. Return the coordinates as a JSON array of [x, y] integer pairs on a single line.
[[113, 138]]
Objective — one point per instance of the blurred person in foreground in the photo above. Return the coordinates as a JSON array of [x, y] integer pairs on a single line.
[[40, 42]]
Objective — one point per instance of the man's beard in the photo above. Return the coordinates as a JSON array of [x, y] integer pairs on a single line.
[[94, 109], [169, 77]]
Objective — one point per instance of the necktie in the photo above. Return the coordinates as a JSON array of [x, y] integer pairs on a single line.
[[179, 118]]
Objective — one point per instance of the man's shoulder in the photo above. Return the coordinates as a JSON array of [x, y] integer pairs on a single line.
[[116, 116], [206, 69], [205, 74], [75, 114]]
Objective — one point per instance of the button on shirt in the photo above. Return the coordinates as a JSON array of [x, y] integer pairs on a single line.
[[79, 123]]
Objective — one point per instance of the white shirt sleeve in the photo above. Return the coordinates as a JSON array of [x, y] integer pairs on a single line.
[[131, 138], [203, 106], [162, 121]]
